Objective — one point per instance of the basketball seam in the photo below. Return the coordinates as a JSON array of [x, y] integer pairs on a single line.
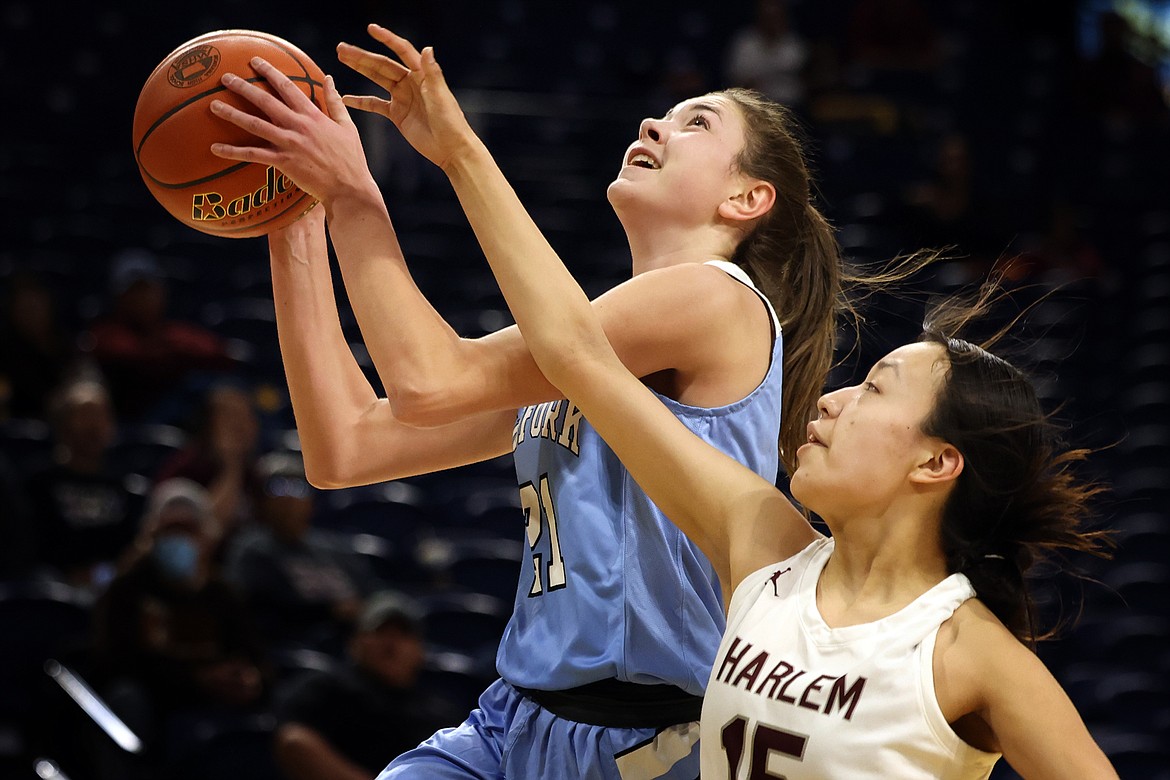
[[195, 98]]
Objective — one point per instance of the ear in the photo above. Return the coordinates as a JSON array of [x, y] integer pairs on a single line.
[[943, 464], [754, 200]]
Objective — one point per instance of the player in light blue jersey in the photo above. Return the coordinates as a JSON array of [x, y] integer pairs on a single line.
[[612, 577], [736, 284]]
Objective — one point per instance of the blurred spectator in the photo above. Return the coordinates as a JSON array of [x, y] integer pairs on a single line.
[[348, 722], [37, 352], [221, 456], [944, 198], [306, 586], [769, 55], [143, 352], [1119, 85], [678, 77], [174, 642], [941, 208], [84, 513], [893, 35], [1061, 252]]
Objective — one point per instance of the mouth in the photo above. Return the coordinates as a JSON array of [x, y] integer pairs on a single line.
[[640, 159], [813, 438]]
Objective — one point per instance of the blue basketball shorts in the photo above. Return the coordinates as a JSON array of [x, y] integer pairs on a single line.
[[511, 736]]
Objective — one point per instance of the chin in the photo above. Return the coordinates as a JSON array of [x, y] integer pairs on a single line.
[[614, 193], [802, 491], [631, 205]]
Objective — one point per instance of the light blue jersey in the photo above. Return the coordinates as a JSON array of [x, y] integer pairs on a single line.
[[611, 590]]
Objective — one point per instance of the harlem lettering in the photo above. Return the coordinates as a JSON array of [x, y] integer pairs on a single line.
[[754, 670]]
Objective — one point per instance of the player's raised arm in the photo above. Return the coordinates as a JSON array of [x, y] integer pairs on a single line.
[[412, 346], [433, 376], [697, 486], [348, 434]]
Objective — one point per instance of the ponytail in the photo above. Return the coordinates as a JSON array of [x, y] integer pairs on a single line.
[[1017, 501], [793, 257]]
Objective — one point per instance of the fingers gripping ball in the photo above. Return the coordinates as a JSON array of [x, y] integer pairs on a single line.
[[174, 129]]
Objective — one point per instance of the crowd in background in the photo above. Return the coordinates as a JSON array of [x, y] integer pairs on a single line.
[[149, 469]]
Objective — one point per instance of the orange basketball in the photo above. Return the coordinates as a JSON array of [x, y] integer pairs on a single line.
[[174, 129]]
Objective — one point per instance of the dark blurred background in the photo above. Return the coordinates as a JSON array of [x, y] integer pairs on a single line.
[[1031, 137]]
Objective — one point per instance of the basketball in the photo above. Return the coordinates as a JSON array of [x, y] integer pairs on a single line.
[[174, 129]]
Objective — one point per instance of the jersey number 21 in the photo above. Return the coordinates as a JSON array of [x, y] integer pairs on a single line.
[[539, 512]]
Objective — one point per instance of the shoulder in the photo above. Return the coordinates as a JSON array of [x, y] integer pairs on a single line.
[[691, 317], [974, 636], [975, 655], [975, 629], [699, 284]]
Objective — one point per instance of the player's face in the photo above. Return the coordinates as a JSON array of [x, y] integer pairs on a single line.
[[683, 163], [868, 439]]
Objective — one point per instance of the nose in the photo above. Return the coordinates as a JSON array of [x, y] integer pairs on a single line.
[[829, 405], [650, 129]]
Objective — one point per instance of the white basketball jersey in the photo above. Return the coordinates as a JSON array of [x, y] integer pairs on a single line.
[[790, 697]]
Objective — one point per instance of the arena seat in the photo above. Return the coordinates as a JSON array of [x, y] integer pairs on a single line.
[[476, 565], [142, 449], [456, 679], [470, 623]]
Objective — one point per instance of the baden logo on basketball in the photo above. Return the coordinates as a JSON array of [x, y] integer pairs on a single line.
[[208, 206], [193, 66]]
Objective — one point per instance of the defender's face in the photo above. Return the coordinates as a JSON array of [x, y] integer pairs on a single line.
[[868, 438]]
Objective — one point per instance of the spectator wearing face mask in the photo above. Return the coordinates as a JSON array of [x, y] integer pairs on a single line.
[[174, 640]]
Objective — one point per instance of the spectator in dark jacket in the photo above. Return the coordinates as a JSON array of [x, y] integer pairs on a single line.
[[348, 722]]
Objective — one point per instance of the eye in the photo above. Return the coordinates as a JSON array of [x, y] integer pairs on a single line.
[[701, 121], [870, 387]]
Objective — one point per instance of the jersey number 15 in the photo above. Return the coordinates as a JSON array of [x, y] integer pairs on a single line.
[[766, 740]]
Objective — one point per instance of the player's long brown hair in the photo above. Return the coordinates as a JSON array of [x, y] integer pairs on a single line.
[[1018, 498], [793, 256]]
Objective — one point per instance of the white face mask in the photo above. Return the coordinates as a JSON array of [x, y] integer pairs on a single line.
[[177, 555]]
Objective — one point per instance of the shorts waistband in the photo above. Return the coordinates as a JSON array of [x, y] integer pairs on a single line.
[[614, 703]]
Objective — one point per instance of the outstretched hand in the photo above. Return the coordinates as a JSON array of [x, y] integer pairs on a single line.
[[321, 152], [420, 105]]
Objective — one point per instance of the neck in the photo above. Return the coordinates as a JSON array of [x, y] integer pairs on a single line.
[[879, 565], [660, 248]]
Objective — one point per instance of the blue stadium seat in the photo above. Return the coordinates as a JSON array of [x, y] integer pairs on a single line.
[[469, 623], [142, 449], [392, 510], [28, 444], [477, 565], [456, 679]]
